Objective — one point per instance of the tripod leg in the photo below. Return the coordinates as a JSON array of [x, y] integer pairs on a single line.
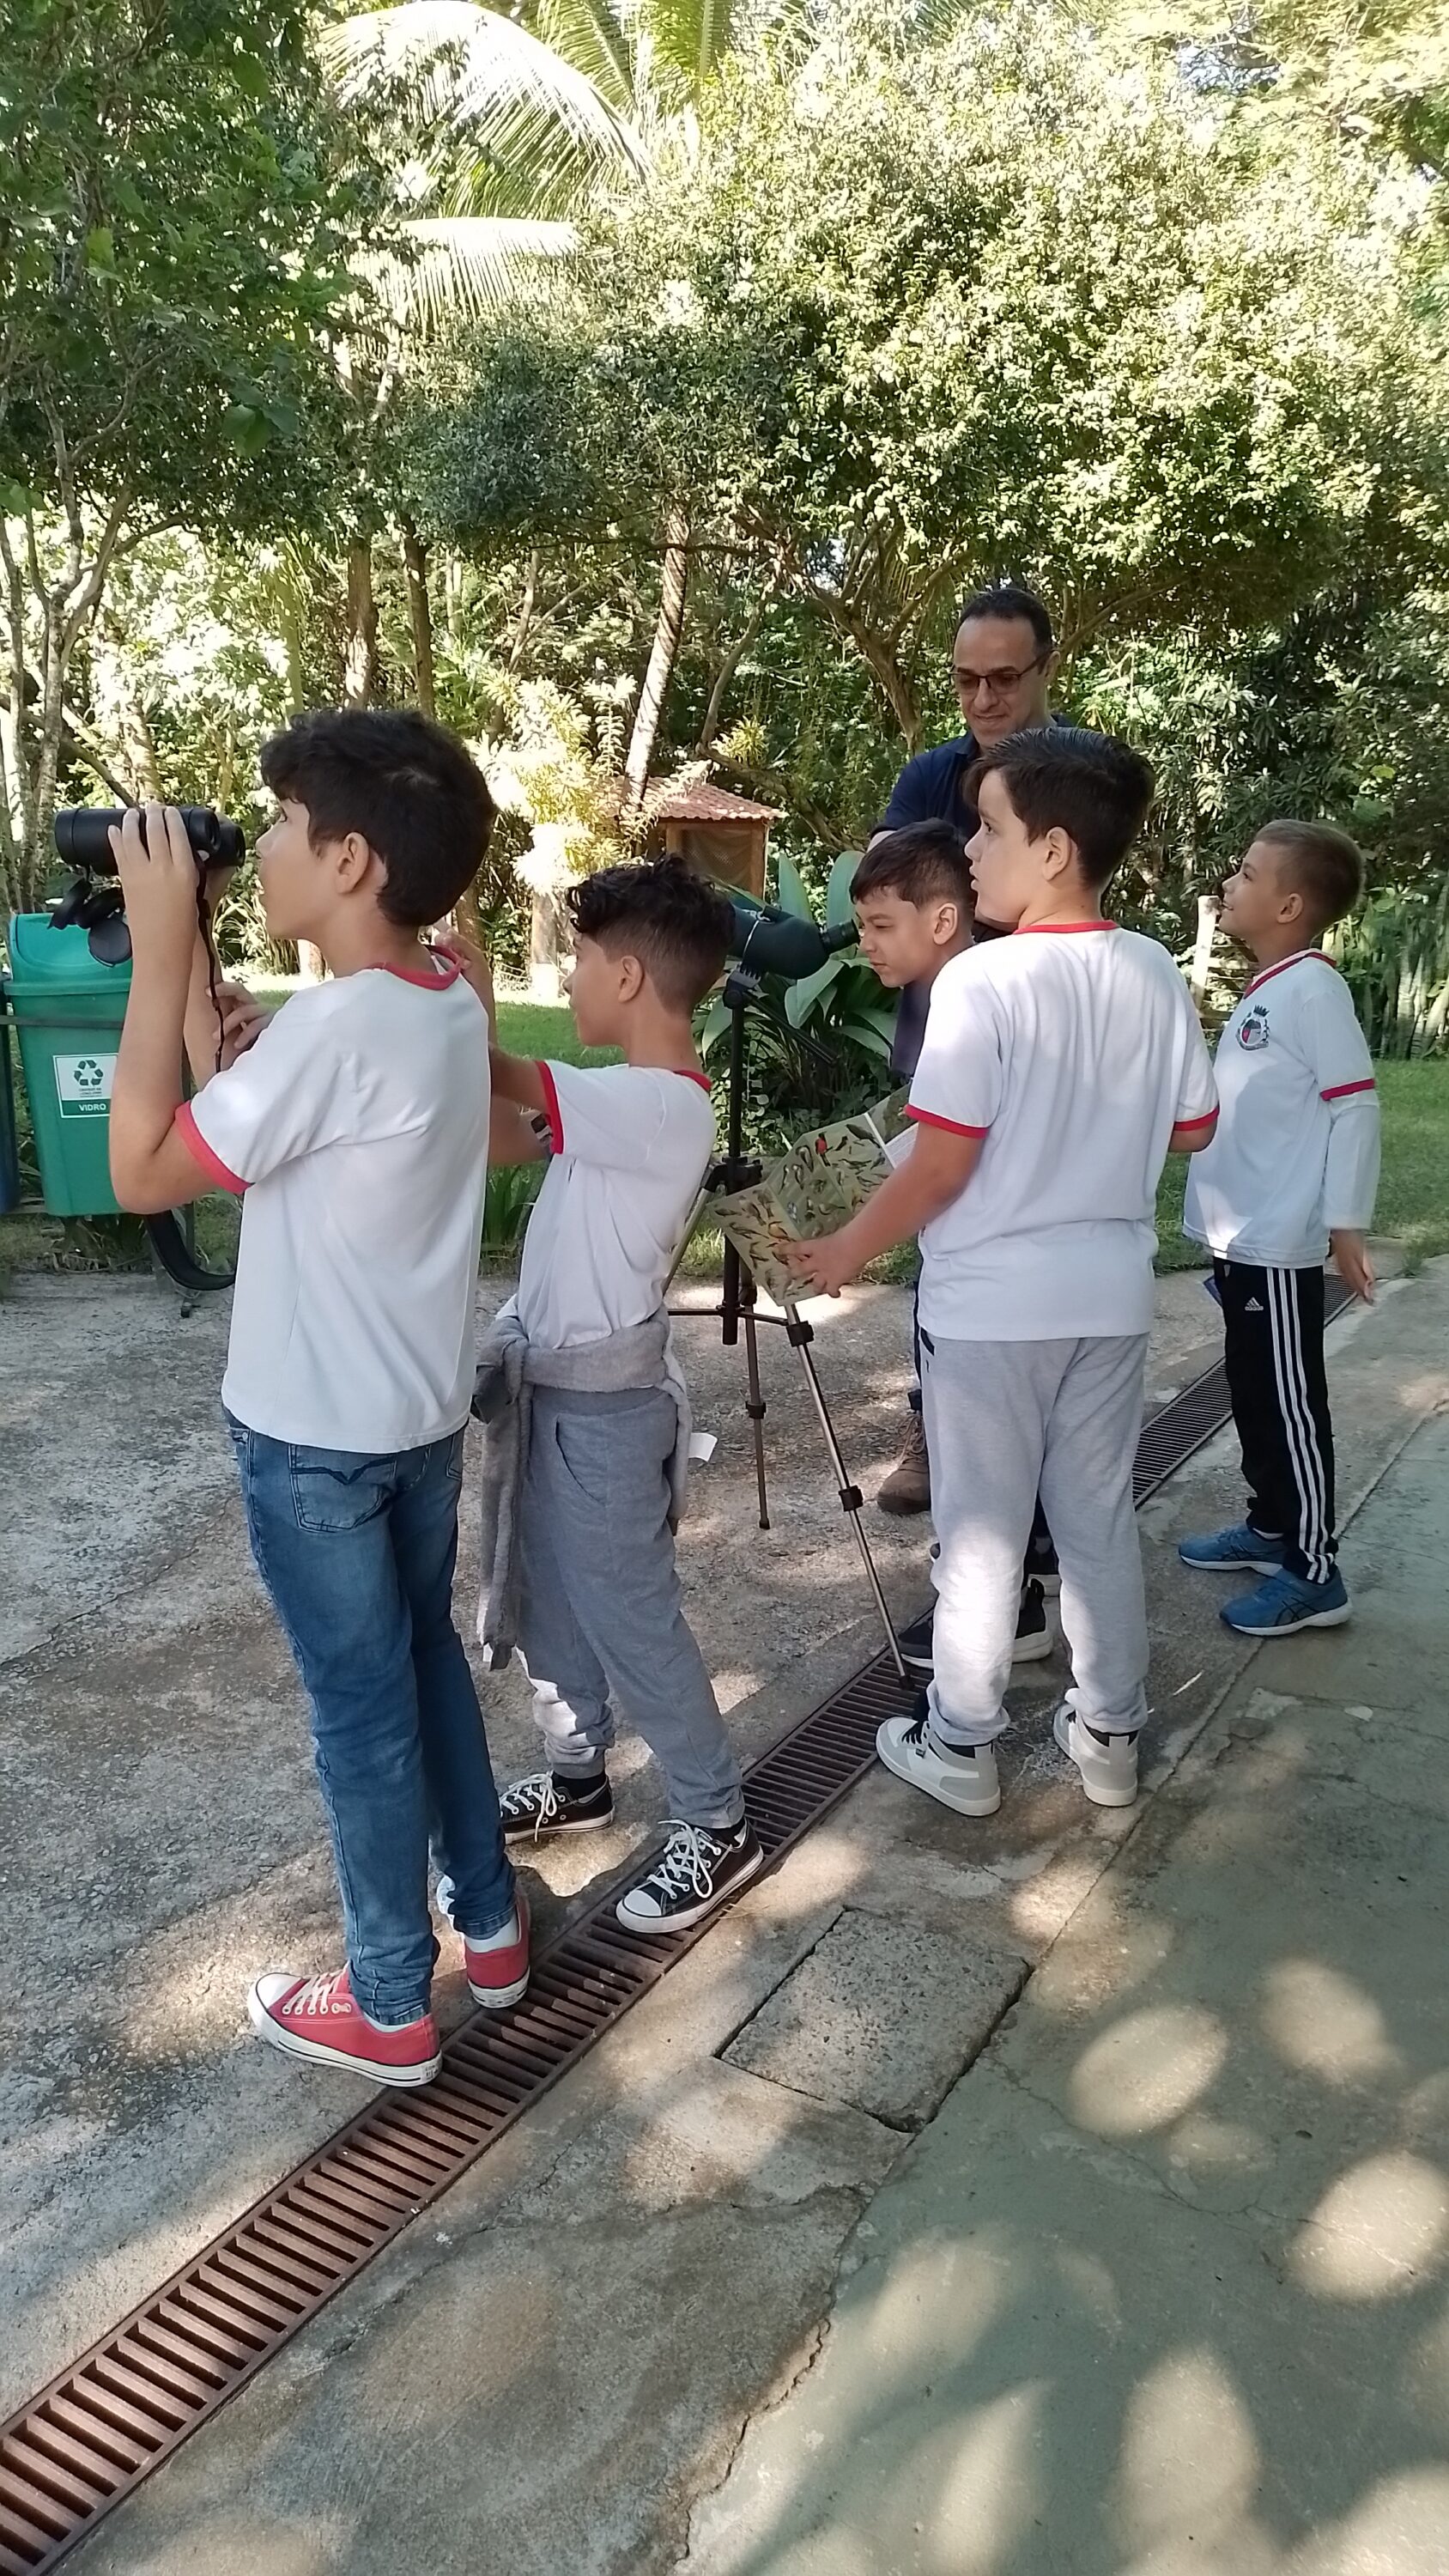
[[755, 1406], [850, 1494]]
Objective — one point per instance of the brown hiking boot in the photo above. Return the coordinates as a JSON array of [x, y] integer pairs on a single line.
[[908, 1486]]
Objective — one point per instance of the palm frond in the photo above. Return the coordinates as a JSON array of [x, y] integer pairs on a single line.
[[690, 35], [591, 34], [465, 267], [480, 76]]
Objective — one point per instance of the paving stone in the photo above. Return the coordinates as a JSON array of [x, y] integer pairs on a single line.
[[882, 2015]]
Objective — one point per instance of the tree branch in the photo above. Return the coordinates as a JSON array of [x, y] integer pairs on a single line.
[[728, 667]]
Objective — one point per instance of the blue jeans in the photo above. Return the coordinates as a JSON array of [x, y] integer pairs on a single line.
[[358, 1554]]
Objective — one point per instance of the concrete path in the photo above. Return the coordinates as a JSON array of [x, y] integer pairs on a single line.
[[161, 1839], [1057, 2063], [1165, 2284]]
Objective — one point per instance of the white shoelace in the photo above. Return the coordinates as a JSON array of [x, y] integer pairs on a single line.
[[685, 1863], [536, 1797], [318, 1995]]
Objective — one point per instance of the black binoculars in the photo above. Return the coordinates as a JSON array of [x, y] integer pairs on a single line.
[[83, 837]]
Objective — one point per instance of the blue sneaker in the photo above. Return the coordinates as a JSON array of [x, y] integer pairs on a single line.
[[1286, 1603], [1224, 1551]]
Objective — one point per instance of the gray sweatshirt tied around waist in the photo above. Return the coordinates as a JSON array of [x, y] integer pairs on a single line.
[[509, 1367]]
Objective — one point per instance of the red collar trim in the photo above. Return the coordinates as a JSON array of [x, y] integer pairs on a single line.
[[433, 979], [1048, 929], [1282, 967], [687, 1073]]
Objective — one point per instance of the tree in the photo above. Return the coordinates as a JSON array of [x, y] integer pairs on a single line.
[[174, 247], [903, 320], [509, 132], [1375, 67]]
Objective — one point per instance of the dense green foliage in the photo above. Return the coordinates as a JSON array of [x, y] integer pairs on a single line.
[[811, 316]]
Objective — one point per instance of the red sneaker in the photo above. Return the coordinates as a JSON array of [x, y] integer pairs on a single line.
[[498, 1967], [318, 2017]]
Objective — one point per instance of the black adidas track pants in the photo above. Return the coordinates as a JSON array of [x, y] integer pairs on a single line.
[[1274, 1321]]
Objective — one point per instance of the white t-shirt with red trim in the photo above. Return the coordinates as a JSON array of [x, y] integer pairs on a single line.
[[631, 1146], [1296, 1153], [358, 1128], [1073, 1052]]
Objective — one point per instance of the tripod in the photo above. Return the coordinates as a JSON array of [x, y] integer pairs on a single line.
[[738, 1307]]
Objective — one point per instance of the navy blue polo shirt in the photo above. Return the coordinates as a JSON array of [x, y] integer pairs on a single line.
[[930, 788]]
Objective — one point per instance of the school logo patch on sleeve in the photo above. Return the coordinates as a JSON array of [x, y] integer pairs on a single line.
[[1253, 1031]]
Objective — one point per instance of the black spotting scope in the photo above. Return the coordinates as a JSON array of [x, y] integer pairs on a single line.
[[769, 941]]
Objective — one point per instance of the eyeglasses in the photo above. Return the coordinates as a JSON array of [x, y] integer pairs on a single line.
[[997, 684]]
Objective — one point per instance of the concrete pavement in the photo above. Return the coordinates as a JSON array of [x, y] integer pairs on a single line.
[[1030, 2254], [1165, 2284]]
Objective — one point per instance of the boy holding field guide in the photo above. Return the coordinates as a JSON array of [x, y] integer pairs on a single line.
[[1059, 1067]]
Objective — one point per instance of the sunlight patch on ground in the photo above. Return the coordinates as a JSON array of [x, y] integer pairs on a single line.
[[1189, 2453], [1322, 2023], [1147, 2070], [1375, 2233]]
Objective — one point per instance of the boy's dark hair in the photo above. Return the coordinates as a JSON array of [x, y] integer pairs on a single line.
[[405, 784], [922, 862], [1010, 599], [676, 923], [1325, 865], [1089, 785]]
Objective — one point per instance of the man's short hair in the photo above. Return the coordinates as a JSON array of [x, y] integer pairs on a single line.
[[1323, 863], [1089, 785], [1010, 599], [406, 785], [673, 921], [922, 863]]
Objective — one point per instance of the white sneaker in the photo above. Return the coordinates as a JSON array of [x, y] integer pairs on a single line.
[[965, 1781], [1107, 1763]]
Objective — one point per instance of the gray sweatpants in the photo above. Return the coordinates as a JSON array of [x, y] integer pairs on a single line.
[[1001, 1419], [601, 1614]]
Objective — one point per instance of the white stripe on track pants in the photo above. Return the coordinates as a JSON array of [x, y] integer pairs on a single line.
[[1279, 1388], [1001, 1418]]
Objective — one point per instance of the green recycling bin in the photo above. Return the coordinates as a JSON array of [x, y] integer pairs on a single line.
[[67, 1007]]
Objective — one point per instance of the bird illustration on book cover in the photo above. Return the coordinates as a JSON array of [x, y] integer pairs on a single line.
[[827, 1174]]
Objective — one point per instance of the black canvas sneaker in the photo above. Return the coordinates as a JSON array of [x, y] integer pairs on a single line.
[[550, 1802], [695, 1872], [1034, 1637]]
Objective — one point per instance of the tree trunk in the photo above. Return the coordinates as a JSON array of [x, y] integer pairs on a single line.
[[668, 627], [415, 563], [1202, 951], [9, 852], [545, 947], [525, 612], [359, 669], [468, 914], [296, 663], [726, 672], [140, 747]]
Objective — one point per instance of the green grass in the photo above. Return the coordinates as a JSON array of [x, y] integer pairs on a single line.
[[1413, 1193], [1413, 1196]]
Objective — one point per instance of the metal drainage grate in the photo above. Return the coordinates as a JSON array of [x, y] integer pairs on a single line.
[[1188, 1423], [111, 2417], [115, 2414]]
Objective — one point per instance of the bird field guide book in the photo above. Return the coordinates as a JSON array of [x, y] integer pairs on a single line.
[[828, 1173]]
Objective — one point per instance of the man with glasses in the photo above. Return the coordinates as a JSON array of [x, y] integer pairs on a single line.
[[1003, 661]]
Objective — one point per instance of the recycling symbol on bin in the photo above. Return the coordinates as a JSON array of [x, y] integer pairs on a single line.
[[87, 1075]]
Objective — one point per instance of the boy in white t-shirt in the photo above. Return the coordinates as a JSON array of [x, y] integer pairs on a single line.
[[599, 1613], [357, 1126], [1293, 1169], [1059, 1067]]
